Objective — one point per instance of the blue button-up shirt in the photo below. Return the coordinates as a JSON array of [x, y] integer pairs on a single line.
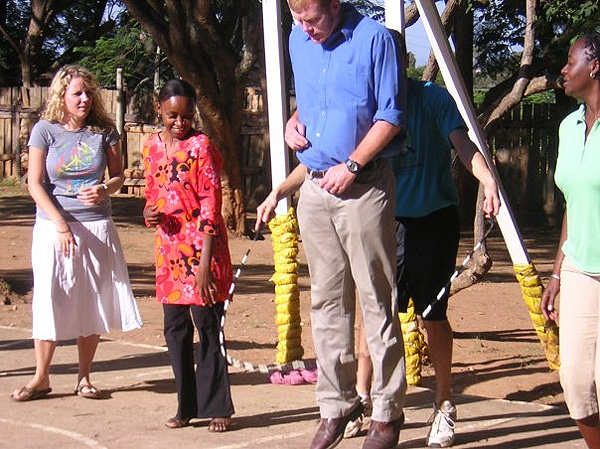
[[344, 85]]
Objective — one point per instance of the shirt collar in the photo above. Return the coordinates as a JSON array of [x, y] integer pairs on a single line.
[[350, 20], [581, 114]]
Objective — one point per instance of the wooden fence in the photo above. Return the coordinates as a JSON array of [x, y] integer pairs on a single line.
[[20, 109], [524, 144]]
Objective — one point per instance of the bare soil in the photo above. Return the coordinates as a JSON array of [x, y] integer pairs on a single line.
[[496, 352]]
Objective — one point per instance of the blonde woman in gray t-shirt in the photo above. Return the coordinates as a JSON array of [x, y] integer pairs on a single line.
[[81, 285]]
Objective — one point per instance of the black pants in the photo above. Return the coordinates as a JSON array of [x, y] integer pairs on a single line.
[[426, 258], [205, 393]]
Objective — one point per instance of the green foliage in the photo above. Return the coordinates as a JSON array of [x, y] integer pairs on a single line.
[[500, 28], [579, 15], [128, 46], [75, 22]]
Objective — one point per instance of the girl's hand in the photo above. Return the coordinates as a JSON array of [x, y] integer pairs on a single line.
[[66, 241], [548, 299], [93, 195], [152, 216], [206, 287]]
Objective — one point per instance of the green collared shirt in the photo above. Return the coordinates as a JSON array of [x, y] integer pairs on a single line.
[[578, 177]]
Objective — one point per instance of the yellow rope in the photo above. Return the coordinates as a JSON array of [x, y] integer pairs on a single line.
[[415, 348], [284, 235], [547, 331]]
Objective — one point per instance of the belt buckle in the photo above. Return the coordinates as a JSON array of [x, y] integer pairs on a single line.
[[316, 174]]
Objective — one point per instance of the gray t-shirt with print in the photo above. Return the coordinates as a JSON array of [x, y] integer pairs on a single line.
[[74, 160]]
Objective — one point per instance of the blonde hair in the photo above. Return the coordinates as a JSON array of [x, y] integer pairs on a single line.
[[97, 119], [299, 4]]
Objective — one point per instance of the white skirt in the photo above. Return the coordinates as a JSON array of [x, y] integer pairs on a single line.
[[82, 295]]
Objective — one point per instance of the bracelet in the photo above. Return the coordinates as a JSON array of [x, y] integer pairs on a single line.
[[555, 276], [105, 186], [64, 232]]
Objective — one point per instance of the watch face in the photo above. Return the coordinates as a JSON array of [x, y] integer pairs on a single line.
[[352, 166]]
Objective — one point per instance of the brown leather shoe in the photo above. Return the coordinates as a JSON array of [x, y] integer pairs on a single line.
[[383, 435], [331, 430]]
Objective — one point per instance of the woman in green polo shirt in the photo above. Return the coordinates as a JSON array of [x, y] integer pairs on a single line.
[[576, 272]]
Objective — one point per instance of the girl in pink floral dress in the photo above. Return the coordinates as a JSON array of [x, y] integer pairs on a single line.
[[193, 266]]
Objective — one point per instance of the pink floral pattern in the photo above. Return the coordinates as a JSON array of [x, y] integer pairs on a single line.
[[186, 187]]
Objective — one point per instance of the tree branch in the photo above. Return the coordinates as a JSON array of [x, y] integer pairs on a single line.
[[525, 70], [10, 40], [432, 68]]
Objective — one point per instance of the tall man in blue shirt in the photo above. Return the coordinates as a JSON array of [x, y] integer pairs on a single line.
[[349, 92]]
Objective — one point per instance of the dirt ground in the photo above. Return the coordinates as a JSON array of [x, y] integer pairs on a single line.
[[496, 351]]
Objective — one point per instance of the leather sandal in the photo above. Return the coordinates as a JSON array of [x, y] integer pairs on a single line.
[[88, 391], [176, 423]]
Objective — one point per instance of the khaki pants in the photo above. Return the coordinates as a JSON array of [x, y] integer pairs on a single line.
[[579, 339], [350, 242]]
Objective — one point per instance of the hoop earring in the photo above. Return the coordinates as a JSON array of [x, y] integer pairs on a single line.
[[592, 75]]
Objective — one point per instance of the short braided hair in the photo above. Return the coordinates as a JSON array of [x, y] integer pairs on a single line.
[[591, 42]]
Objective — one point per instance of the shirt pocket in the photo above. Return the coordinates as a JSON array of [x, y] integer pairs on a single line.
[[351, 81]]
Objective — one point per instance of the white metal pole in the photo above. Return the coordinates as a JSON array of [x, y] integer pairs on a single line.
[[456, 87], [394, 15], [276, 96]]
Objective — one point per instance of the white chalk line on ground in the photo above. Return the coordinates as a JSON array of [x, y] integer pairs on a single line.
[[66, 433], [259, 441]]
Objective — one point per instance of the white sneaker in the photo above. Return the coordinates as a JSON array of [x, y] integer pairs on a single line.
[[442, 421], [355, 426]]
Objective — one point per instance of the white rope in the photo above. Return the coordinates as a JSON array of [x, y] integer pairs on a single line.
[[251, 367], [466, 260]]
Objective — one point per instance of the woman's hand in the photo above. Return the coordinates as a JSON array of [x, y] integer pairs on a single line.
[[152, 216], [93, 195], [205, 285], [548, 299], [66, 241]]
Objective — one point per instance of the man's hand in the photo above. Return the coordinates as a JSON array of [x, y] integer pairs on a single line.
[[337, 179], [491, 202], [266, 210], [294, 133]]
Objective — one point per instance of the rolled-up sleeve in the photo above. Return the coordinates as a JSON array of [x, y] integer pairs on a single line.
[[389, 80]]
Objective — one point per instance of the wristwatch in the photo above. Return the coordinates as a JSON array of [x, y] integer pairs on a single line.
[[352, 166]]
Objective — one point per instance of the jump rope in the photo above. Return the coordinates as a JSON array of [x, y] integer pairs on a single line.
[[446, 288], [267, 369], [301, 364]]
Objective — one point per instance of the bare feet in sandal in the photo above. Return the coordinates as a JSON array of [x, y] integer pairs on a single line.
[[219, 424], [88, 391], [30, 394]]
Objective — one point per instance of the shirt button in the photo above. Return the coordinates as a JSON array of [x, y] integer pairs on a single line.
[[318, 134]]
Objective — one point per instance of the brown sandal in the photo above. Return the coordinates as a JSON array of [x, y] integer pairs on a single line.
[[88, 391], [176, 423], [29, 394]]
